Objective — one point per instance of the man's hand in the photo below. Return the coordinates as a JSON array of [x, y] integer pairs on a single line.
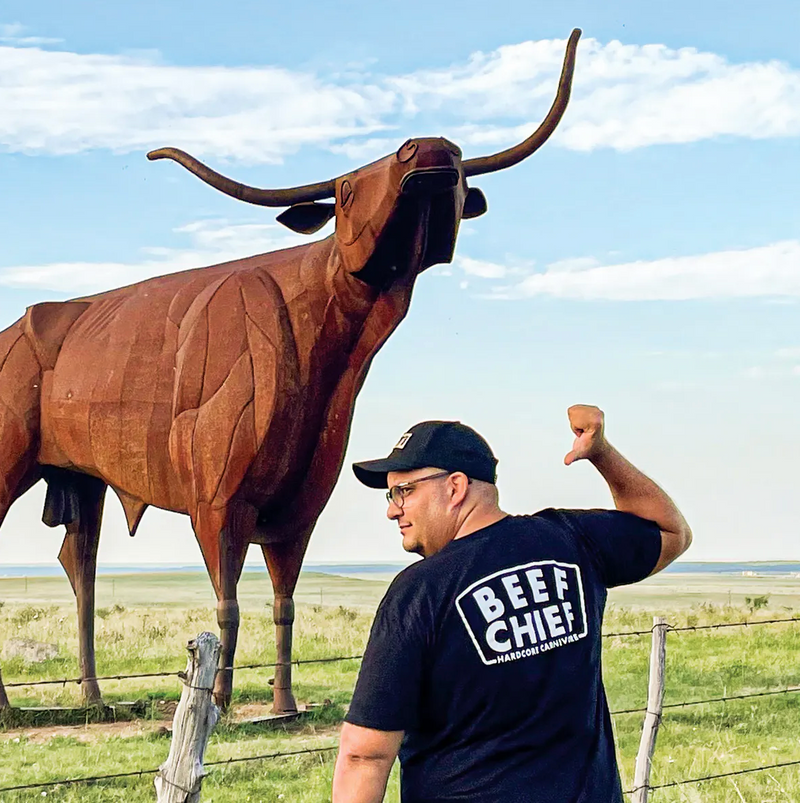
[[633, 491], [587, 422]]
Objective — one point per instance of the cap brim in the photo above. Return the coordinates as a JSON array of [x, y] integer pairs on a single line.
[[372, 473]]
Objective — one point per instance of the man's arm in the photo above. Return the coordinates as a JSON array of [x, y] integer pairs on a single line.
[[632, 490], [364, 762]]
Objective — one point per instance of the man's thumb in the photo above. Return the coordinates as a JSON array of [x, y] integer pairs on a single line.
[[570, 458]]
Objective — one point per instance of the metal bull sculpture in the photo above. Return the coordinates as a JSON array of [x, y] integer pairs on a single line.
[[227, 392]]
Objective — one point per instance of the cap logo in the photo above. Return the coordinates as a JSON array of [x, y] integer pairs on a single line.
[[406, 437]]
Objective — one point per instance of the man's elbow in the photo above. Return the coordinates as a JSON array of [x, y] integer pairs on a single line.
[[673, 545], [682, 540], [688, 537], [363, 745], [366, 757]]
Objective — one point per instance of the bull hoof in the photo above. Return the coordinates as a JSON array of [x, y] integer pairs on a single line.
[[92, 698], [284, 702], [223, 692]]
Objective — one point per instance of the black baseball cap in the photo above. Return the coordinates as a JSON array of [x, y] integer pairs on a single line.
[[449, 445]]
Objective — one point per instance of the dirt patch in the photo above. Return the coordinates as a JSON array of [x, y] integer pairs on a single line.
[[85, 733], [99, 731], [249, 711]]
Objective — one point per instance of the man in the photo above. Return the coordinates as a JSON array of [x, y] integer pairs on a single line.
[[484, 658]]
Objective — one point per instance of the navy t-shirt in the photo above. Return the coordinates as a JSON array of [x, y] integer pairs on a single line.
[[487, 655]]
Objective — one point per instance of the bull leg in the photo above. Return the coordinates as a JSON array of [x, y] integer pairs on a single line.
[[7, 497], [78, 556], [222, 535], [3, 696], [284, 561], [232, 555], [20, 384]]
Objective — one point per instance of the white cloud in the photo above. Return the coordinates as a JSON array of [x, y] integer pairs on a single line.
[[491, 270], [761, 373], [573, 265], [10, 33], [364, 150], [482, 269], [211, 242], [625, 96], [771, 270], [59, 103]]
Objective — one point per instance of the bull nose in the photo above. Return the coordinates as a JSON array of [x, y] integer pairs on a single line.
[[429, 180]]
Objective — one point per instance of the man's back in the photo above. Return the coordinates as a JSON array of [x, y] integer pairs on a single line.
[[488, 654], [482, 670]]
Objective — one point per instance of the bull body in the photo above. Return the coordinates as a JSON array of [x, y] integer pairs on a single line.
[[241, 374], [227, 393]]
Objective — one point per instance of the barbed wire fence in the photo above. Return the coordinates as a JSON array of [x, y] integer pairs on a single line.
[[334, 659], [636, 790]]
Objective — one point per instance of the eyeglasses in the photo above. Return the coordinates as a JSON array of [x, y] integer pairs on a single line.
[[397, 493]]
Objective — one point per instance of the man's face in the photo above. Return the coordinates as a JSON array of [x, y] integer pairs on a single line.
[[423, 513]]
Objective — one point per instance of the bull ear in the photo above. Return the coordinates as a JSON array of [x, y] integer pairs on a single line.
[[474, 204], [306, 218]]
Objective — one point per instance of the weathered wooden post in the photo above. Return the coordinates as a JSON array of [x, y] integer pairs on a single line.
[[181, 775], [652, 719]]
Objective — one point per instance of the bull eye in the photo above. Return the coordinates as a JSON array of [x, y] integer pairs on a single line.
[[407, 150], [345, 193]]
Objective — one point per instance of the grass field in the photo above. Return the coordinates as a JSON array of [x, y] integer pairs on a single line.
[[144, 621], [187, 590]]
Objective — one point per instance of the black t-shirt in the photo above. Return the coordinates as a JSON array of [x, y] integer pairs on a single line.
[[487, 655]]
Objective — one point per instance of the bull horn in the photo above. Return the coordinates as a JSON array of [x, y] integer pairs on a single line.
[[510, 157], [251, 195]]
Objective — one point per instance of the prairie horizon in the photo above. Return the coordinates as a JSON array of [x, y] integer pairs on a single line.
[[382, 567]]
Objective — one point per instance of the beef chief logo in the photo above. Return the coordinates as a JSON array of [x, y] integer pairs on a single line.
[[524, 611]]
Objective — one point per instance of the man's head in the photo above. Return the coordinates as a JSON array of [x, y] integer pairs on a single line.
[[439, 475]]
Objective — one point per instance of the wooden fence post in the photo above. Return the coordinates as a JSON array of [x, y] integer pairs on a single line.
[[652, 719], [179, 778]]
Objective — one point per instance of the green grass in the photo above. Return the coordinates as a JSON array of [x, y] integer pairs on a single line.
[[145, 637]]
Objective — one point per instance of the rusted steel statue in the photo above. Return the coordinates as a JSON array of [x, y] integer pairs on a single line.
[[227, 392]]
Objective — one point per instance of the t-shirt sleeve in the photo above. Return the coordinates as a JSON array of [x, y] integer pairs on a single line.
[[625, 547], [387, 692]]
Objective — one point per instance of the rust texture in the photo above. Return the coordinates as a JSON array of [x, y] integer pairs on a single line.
[[227, 393]]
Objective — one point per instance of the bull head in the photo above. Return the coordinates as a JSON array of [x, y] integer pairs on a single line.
[[401, 213]]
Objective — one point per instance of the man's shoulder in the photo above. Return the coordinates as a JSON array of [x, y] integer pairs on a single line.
[[409, 579], [568, 517]]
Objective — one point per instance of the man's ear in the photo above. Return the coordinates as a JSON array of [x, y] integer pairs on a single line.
[[306, 218], [474, 204]]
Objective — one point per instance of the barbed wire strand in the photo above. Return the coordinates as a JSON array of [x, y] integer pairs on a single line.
[[693, 628], [69, 781], [719, 625], [712, 777], [79, 681], [239, 759], [141, 773], [790, 690]]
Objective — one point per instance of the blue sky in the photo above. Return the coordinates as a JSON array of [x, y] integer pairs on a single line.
[[646, 260]]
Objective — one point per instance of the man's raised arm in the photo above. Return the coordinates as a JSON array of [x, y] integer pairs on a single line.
[[633, 491]]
